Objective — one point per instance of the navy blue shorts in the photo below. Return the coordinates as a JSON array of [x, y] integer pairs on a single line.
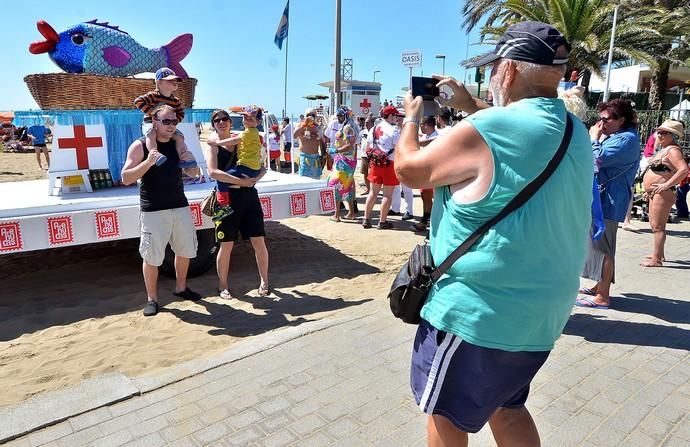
[[467, 383]]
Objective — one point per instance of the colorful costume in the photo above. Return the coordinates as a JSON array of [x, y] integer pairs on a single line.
[[341, 178], [310, 165]]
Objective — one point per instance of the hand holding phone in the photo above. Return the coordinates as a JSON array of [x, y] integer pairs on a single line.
[[427, 88]]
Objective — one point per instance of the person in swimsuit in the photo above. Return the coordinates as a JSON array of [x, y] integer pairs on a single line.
[[665, 171]]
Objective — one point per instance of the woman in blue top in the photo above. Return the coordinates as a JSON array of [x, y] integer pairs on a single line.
[[616, 148]]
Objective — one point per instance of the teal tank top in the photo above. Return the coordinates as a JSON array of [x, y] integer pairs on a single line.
[[514, 290]]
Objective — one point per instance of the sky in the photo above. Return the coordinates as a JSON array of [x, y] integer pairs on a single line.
[[234, 57]]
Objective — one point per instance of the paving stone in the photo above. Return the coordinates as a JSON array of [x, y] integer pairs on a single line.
[[115, 439], [149, 426], [187, 441], [245, 419], [212, 433], [119, 423], [674, 441], [639, 439], [278, 439], [319, 439], [342, 428], [182, 429], [607, 436], [90, 418], [82, 437], [273, 406], [307, 424], [52, 433], [152, 440], [275, 422], [183, 413], [244, 437]]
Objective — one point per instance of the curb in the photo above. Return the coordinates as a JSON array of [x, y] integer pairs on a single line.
[[57, 406]]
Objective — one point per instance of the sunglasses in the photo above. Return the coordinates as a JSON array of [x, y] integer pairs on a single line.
[[606, 119], [221, 120], [662, 132], [168, 122]]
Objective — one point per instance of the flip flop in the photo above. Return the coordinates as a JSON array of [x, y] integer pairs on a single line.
[[264, 290], [583, 301], [587, 291], [225, 294]]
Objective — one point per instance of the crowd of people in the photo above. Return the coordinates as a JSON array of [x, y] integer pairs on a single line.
[[491, 320]]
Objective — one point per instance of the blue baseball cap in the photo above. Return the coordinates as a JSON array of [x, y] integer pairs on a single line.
[[534, 42], [166, 74]]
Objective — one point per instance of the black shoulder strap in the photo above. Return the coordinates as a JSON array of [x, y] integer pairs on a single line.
[[519, 200]]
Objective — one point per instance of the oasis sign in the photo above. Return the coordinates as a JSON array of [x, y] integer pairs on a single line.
[[412, 58]]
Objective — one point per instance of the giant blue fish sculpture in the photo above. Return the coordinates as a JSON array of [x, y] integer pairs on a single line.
[[100, 48]]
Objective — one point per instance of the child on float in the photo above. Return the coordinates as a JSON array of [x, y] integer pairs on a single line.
[[249, 144], [166, 86]]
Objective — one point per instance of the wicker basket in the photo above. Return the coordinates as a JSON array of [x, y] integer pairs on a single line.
[[67, 91]]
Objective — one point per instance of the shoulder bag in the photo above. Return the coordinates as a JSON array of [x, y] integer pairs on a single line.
[[411, 286], [210, 202]]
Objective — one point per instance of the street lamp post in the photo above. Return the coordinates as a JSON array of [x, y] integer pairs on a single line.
[[376, 71], [613, 40], [443, 59]]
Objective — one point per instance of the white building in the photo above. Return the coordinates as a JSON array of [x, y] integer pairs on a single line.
[[637, 78]]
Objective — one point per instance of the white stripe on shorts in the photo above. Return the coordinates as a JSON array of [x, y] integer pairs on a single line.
[[437, 373]]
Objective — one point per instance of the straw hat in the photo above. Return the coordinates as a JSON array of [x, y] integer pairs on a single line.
[[673, 126]]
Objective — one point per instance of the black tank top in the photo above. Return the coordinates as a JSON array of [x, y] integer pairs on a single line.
[[161, 187], [226, 159]]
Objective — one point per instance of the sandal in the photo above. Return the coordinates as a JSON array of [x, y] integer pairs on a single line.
[[366, 223], [225, 294], [385, 225], [264, 290]]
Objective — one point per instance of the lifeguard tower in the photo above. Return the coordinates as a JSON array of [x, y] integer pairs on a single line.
[[363, 97]]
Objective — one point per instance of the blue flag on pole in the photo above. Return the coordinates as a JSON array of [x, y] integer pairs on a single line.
[[282, 32]]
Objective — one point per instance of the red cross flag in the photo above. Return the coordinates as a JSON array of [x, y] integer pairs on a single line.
[[362, 105], [79, 147]]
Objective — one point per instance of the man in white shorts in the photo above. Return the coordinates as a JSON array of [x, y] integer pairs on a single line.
[[165, 214]]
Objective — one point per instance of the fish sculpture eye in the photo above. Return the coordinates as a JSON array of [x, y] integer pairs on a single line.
[[78, 39]]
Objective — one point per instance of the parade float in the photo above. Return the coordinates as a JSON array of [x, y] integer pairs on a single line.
[[90, 106]]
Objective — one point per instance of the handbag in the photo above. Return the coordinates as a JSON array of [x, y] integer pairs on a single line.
[[210, 203], [412, 284]]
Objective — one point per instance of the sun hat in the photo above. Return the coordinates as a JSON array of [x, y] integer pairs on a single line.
[[673, 126], [166, 74], [391, 110], [534, 42], [253, 111]]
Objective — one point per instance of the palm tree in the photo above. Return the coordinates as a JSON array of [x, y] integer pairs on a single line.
[[586, 24]]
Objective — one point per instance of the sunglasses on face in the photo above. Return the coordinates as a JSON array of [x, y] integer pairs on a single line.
[[661, 133], [168, 122], [221, 120]]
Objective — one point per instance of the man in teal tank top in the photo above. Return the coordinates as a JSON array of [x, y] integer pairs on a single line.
[[492, 319]]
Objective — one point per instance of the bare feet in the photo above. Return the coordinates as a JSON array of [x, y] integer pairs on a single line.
[[652, 263], [264, 290], [335, 219], [629, 227]]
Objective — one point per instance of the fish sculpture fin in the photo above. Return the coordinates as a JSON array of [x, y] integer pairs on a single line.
[[177, 50], [116, 56]]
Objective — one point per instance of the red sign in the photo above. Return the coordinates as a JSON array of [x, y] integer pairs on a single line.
[[365, 103], [327, 200], [81, 143], [60, 230], [107, 224], [266, 207], [298, 204], [10, 236], [196, 214]]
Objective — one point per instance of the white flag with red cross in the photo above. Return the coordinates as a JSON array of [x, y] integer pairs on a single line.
[[78, 147]]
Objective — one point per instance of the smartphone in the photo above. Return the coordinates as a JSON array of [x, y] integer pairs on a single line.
[[427, 88]]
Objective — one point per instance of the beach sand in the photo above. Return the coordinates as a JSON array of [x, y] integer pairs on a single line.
[[71, 313]]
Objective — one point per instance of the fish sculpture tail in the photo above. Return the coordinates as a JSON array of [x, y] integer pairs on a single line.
[[177, 50]]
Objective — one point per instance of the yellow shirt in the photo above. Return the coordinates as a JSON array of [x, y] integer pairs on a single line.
[[249, 149]]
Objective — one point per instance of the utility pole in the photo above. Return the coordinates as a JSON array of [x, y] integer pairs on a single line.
[[336, 83], [613, 40]]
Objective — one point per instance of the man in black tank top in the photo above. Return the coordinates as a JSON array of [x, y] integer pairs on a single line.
[[165, 214]]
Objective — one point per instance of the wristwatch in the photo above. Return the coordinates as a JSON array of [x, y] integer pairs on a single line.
[[411, 119]]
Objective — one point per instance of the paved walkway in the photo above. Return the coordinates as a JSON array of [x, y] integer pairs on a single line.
[[616, 377]]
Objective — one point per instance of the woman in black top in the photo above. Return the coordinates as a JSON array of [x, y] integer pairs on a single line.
[[247, 218]]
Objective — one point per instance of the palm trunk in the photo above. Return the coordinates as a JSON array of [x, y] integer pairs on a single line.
[[657, 88], [586, 77]]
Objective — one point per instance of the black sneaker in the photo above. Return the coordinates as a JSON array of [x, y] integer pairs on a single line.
[[393, 213], [419, 227], [188, 294], [222, 213], [407, 216], [366, 223], [151, 309]]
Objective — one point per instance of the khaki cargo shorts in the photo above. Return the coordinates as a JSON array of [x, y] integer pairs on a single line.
[[158, 228]]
